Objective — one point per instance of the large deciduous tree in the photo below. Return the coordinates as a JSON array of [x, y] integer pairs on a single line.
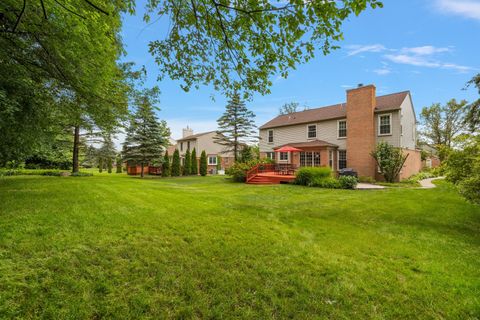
[[242, 44], [147, 137], [472, 118], [441, 124], [236, 126]]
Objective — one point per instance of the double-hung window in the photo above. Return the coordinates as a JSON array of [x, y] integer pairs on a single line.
[[384, 124], [342, 159], [330, 158], [181, 146], [212, 160], [342, 128], [270, 136], [271, 155], [311, 131], [283, 156]]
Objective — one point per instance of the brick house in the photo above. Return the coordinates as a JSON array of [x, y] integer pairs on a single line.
[[204, 141], [343, 135]]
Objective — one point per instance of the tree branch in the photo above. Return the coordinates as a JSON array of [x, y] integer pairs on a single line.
[[20, 16]]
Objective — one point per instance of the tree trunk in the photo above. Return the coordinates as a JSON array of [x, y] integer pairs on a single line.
[[76, 146], [141, 172]]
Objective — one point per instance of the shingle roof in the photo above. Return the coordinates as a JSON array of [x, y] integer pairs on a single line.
[[384, 103], [314, 143], [194, 136]]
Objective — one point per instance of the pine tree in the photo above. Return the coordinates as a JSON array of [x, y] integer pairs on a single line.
[[194, 163], [236, 126], [146, 136], [203, 164], [166, 165], [176, 167], [107, 151], [187, 165], [100, 165]]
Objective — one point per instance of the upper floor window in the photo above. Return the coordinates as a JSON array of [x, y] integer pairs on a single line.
[[342, 128], [283, 156], [384, 124], [188, 145], [212, 160], [311, 131], [342, 159], [181, 146], [270, 136]]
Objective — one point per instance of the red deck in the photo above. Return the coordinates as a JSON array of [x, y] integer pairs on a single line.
[[271, 178]]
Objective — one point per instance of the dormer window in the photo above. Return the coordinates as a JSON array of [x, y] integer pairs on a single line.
[[311, 131]]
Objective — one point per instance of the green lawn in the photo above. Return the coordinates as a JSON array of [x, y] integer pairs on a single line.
[[112, 246]]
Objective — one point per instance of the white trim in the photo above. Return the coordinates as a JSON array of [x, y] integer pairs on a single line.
[[268, 136], [379, 123], [338, 128], [279, 156], [212, 156], [316, 131], [338, 158]]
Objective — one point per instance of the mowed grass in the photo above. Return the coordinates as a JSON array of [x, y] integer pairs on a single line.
[[112, 246]]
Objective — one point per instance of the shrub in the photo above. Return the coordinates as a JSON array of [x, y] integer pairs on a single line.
[[175, 170], [187, 167], [328, 183], [194, 163], [238, 171], [203, 164], [347, 182], [166, 165], [470, 189], [306, 176], [389, 159]]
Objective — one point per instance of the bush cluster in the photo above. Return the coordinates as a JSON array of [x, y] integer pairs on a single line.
[[31, 172], [321, 177], [238, 171]]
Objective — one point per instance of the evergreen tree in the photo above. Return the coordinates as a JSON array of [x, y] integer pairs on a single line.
[[246, 154], [176, 167], [100, 165], [187, 165], [236, 126], [107, 151], [166, 165], [203, 164], [194, 163], [118, 162], [146, 136]]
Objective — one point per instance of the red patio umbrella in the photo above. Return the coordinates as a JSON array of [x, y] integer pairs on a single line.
[[288, 149]]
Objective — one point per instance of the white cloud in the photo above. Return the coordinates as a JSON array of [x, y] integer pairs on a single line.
[[428, 62], [424, 51], [465, 8], [357, 49], [382, 71]]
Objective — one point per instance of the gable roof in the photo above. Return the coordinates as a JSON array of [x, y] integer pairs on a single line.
[[194, 136], [384, 103]]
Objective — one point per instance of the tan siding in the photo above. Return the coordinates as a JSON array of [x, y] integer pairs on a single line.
[[394, 138], [326, 131], [408, 138]]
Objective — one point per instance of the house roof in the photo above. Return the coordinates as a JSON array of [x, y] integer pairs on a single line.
[[194, 136], [309, 144], [384, 103]]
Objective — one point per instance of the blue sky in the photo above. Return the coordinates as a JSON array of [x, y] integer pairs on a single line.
[[430, 47]]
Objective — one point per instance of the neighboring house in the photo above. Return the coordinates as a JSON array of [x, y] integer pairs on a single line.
[[431, 158], [204, 141], [345, 134]]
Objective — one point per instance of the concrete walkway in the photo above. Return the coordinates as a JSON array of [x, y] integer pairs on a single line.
[[427, 183], [368, 186]]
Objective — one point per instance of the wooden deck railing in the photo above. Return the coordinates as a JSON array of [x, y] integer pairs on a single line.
[[281, 169]]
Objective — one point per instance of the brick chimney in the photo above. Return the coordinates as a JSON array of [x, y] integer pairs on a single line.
[[361, 103], [187, 132]]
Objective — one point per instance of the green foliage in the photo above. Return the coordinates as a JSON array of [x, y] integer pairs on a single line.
[[219, 163], [441, 124], [100, 165], [366, 179], [389, 159], [118, 164], [472, 118], [326, 183], [236, 126], [146, 137], [347, 182], [166, 165], [307, 175], [194, 162], [176, 166], [246, 154], [288, 108], [81, 174], [235, 44], [238, 171], [470, 188], [187, 166], [203, 164]]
